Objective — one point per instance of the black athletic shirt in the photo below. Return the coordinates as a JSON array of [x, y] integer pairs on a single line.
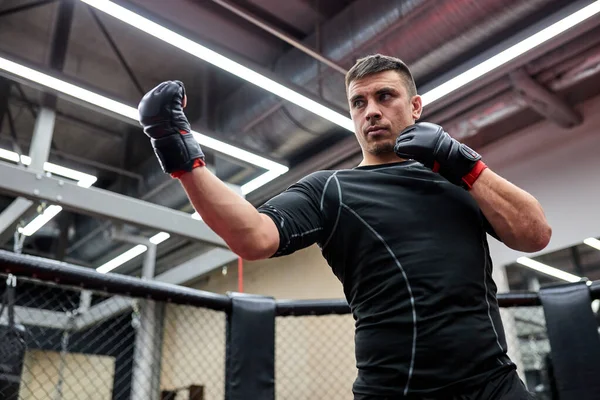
[[411, 251]]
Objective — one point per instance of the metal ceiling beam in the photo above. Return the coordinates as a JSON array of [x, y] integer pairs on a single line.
[[41, 141], [535, 53], [5, 87], [11, 215], [197, 266], [546, 103], [25, 7], [61, 76], [103, 311], [60, 43], [509, 103], [117, 52], [104, 204], [38, 317], [348, 148], [39, 150], [280, 34]]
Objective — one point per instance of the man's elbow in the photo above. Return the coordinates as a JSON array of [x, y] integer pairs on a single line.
[[543, 238], [534, 239], [255, 249]]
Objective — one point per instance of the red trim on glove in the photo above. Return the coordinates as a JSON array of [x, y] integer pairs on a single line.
[[198, 162], [472, 176], [436, 166]]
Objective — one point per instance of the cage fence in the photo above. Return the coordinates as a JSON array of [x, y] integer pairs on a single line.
[[315, 354], [63, 341], [67, 343], [314, 357]]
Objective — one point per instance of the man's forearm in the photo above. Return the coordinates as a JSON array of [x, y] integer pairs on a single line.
[[516, 216], [247, 232]]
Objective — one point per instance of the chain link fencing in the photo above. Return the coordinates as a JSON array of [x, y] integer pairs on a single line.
[[61, 342], [66, 343], [315, 354]]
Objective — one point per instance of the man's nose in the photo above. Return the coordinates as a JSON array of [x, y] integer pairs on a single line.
[[373, 112]]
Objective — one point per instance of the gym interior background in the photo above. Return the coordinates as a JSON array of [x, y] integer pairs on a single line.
[[80, 186]]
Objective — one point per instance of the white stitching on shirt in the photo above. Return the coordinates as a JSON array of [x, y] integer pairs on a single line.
[[339, 186], [485, 270], [412, 299], [325, 188], [267, 205], [297, 235]]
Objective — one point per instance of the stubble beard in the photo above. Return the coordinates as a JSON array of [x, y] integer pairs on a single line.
[[381, 148]]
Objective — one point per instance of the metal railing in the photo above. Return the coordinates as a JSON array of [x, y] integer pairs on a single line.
[[68, 332]]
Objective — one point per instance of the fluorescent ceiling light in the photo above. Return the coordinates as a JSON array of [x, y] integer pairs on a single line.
[[240, 154], [592, 242], [132, 253], [274, 169], [83, 179], [548, 270], [159, 238], [67, 88], [9, 155], [220, 61], [39, 221], [511, 53], [122, 259]]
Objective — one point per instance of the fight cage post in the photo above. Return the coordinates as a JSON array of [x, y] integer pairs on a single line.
[[69, 332]]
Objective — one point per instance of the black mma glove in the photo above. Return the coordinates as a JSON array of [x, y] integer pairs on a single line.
[[430, 145], [161, 115]]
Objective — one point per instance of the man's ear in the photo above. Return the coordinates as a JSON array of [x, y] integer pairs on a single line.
[[417, 107]]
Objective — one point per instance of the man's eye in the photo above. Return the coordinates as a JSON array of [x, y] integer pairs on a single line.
[[385, 96], [357, 103]]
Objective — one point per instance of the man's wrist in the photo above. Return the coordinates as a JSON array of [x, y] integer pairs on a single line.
[[199, 162], [470, 178]]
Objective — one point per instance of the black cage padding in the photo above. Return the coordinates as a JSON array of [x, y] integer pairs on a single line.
[[574, 340], [250, 348]]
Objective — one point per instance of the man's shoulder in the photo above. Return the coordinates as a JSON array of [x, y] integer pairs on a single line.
[[317, 178]]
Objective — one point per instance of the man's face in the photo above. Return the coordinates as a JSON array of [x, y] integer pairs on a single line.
[[381, 108]]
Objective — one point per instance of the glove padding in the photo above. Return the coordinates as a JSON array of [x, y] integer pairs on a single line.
[[162, 117], [430, 145]]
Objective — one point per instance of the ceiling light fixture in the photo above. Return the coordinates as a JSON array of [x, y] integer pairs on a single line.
[[122, 258], [273, 169], [132, 253], [592, 242], [41, 220], [159, 237], [219, 60], [548, 270], [512, 52], [83, 180]]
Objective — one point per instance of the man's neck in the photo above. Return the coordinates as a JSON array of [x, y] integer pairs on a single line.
[[379, 160]]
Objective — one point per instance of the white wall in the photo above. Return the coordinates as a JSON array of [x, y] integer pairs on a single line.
[[561, 169]]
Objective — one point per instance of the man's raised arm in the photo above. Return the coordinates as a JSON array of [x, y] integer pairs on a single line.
[[248, 233]]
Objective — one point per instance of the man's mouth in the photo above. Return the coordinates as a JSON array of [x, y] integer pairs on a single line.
[[376, 130]]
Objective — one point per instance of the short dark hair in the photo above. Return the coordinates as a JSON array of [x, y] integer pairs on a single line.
[[376, 63]]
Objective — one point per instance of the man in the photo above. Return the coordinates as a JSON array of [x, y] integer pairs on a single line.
[[405, 233]]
